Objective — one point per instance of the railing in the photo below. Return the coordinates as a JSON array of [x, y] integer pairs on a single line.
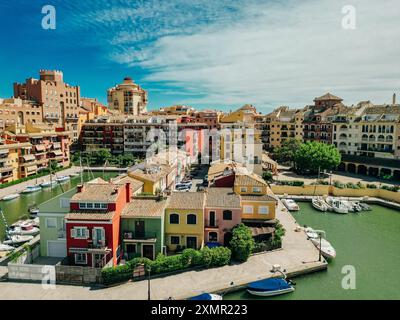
[[129, 235]]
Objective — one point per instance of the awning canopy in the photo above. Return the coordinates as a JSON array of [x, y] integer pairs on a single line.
[[57, 152], [261, 231], [40, 148], [31, 168], [29, 157]]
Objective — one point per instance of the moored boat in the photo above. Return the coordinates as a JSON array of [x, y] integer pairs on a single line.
[[25, 229], [63, 178], [337, 205], [327, 250], [5, 247], [207, 296], [269, 287], [11, 197], [30, 189], [33, 210], [47, 184], [290, 205], [17, 240], [319, 204], [365, 206]]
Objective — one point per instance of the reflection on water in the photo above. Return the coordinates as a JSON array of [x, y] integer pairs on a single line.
[[369, 241], [18, 208]]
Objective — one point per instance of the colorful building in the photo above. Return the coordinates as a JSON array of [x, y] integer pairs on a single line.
[[93, 224], [142, 227], [155, 177], [222, 212], [184, 221]]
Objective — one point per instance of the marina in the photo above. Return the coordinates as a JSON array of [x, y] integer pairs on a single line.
[[367, 241]]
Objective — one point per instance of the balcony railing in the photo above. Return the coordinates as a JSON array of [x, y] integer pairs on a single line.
[[129, 235]]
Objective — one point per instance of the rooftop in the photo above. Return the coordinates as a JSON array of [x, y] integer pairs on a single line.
[[135, 184], [152, 172], [186, 200], [249, 179], [90, 216], [263, 197], [222, 198], [328, 96], [99, 191], [145, 208]]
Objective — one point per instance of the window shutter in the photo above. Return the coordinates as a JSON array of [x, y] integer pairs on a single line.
[[103, 234], [73, 233], [94, 235], [87, 233]]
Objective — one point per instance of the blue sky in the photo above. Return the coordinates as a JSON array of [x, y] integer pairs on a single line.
[[208, 53]]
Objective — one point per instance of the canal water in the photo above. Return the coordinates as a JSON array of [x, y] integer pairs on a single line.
[[369, 241], [17, 209]]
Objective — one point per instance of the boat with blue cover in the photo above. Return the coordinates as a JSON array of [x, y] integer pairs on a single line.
[[269, 287], [207, 296]]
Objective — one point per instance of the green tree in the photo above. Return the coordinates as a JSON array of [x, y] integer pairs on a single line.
[[267, 176], [311, 156], [53, 165], [242, 243], [286, 152], [102, 156]]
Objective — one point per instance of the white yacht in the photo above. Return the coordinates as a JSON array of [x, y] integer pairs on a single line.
[[290, 205], [319, 204]]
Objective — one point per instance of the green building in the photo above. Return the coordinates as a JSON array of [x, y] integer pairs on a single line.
[[142, 227], [53, 242]]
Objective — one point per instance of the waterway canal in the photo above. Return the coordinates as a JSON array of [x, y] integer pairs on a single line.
[[18, 208], [369, 241]]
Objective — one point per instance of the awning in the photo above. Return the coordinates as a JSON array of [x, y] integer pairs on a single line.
[[261, 231], [57, 152], [29, 157], [31, 168], [40, 148], [56, 145]]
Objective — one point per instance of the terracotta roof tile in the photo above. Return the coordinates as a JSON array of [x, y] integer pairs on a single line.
[[186, 200], [222, 198], [145, 207]]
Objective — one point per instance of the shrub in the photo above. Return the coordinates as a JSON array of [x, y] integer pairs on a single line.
[[338, 184], [360, 185], [116, 274], [242, 243], [267, 175], [295, 183], [390, 188], [371, 186]]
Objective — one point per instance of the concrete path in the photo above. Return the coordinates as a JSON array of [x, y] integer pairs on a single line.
[[297, 256]]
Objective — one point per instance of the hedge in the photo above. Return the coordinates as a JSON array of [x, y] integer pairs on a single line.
[[294, 183], [205, 257]]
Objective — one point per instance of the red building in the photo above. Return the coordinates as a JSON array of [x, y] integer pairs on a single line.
[[93, 224]]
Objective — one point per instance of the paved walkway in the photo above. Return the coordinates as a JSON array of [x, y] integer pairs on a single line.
[[298, 254]]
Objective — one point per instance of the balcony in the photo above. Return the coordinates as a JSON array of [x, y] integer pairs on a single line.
[[130, 236], [211, 226], [98, 246], [71, 118]]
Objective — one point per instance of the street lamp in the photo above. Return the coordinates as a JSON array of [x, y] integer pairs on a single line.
[[148, 283], [320, 247]]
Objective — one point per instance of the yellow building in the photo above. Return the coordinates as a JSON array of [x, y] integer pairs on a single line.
[[184, 220], [10, 151], [240, 139], [155, 178], [127, 98], [280, 125], [256, 202]]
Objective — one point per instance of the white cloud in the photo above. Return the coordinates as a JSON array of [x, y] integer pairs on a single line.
[[262, 53]]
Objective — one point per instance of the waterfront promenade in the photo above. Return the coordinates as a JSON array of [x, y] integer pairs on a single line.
[[297, 256]]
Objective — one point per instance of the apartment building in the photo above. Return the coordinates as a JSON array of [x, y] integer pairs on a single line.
[[10, 153], [128, 98], [17, 111], [60, 102], [280, 125]]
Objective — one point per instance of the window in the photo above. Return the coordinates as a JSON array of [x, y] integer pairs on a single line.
[[213, 237], [104, 206], [80, 233], [257, 189], [174, 218], [80, 258], [97, 205], [263, 210], [51, 223], [82, 205], [191, 219], [243, 189], [227, 215], [89, 205], [248, 209], [175, 240]]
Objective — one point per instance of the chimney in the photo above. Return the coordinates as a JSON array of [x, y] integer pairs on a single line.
[[128, 192], [394, 98], [79, 188]]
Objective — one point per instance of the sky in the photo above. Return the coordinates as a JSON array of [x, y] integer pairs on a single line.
[[208, 53]]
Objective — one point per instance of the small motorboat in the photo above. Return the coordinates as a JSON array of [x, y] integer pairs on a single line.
[[73, 175], [30, 189], [290, 205], [48, 184], [11, 197], [319, 204], [365, 206], [5, 247], [63, 178], [15, 240], [269, 287], [24, 229], [311, 233], [337, 205], [327, 250], [206, 296], [33, 210]]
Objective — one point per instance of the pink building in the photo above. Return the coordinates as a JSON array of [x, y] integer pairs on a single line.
[[222, 212]]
